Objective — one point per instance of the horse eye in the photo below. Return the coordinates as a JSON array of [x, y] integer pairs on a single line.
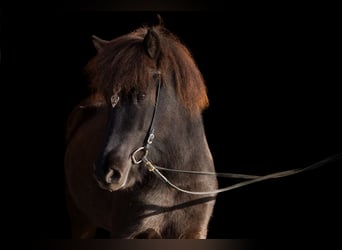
[[141, 96]]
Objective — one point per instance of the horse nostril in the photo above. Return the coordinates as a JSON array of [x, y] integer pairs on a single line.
[[113, 176]]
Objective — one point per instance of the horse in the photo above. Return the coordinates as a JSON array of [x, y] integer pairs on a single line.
[[144, 108]]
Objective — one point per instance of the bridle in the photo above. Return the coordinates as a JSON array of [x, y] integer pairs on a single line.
[[140, 156], [150, 134]]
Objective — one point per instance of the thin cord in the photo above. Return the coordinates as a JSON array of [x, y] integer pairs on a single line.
[[155, 170], [227, 175]]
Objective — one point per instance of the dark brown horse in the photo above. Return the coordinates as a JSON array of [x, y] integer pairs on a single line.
[[146, 88]]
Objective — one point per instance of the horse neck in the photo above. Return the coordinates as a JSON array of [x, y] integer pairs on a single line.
[[186, 146]]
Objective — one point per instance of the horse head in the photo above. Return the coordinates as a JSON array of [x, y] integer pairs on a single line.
[[152, 88], [130, 114]]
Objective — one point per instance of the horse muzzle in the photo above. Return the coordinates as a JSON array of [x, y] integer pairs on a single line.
[[113, 178]]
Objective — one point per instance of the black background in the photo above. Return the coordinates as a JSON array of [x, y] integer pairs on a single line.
[[273, 83]]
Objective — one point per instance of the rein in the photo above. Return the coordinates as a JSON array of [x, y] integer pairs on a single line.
[[253, 178]]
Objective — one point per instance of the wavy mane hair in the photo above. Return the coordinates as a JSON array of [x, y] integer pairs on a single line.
[[122, 65]]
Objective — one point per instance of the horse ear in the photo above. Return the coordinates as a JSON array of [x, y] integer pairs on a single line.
[[160, 20], [99, 43], [152, 44]]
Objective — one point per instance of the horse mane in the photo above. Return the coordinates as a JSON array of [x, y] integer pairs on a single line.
[[123, 65]]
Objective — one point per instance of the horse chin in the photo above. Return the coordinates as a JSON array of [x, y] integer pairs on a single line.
[[111, 187], [122, 185]]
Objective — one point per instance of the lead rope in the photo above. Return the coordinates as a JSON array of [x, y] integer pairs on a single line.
[[254, 178]]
